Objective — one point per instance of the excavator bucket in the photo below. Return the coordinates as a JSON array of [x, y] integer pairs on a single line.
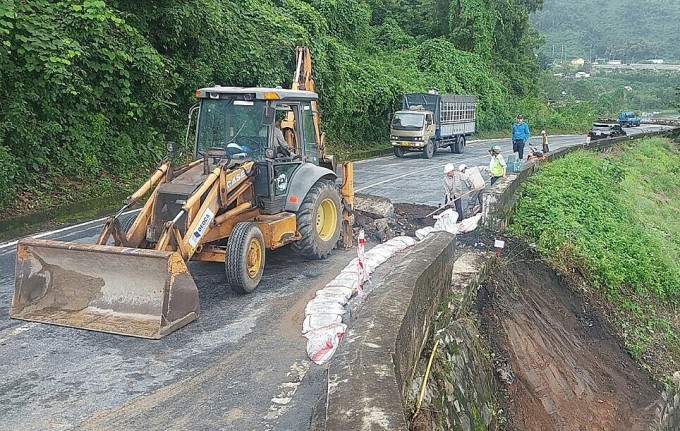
[[128, 291]]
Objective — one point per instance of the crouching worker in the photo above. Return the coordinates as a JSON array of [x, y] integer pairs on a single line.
[[453, 188], [475, 182]]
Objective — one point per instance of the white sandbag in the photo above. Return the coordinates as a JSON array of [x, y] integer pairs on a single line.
[[388, 246], [317, 321], [469, 224], [378, 258], [447, 221], [348, 274], [423, 232], [344, 283], [322, 343], [337, 293], [320, 305], [405, 241]]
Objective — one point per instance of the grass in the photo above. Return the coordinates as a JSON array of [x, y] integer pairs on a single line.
[[612, 221]]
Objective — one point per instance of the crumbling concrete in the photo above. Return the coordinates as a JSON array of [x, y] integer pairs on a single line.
[[375, 207], [370, 375], [669, 412]]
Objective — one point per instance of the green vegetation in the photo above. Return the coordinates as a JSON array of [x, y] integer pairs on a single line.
[[610, 93], [612, 220], [91, 89], [627, 30]]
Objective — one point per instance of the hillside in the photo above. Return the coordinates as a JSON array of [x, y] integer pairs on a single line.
[[608, 223], [627, 30], [91, 89]]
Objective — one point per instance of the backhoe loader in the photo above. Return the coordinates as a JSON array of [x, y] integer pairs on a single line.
[[242, 193]]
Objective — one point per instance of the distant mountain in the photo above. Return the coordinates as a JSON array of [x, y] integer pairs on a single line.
[[627, 30]]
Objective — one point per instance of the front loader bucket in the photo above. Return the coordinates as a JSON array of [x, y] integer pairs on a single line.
[[127, 291]]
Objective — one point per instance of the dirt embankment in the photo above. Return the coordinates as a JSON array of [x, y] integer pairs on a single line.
[[557, 362]]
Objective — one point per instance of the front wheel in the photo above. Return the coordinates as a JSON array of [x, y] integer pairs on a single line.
[[244, 262], [399, 152], [319, 220], [428, 151]]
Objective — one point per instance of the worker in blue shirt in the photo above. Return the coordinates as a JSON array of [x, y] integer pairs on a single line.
[[520, 135]]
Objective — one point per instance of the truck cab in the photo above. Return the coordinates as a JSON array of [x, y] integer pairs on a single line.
[[413, 129], [629, 119], [429, 121]]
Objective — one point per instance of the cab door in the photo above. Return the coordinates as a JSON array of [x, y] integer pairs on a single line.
[[310, 145]]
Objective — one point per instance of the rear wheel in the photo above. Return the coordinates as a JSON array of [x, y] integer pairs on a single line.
[[244, 262], [398, 151], [459, 145], [319, 221], [429, 150]]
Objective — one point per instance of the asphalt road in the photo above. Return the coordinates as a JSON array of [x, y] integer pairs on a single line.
[[241, 366]]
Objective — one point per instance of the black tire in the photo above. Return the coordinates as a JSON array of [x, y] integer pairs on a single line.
[[459, 145], [399, 152], [319, 220], [126, 221], [429, 149], [244, 262]]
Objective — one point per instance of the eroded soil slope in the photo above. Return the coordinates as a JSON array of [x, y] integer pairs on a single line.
[[557, 363]]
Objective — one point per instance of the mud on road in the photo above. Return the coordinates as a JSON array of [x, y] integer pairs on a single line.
[[557, 363]]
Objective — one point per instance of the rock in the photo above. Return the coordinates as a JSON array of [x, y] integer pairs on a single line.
[[376, 207]]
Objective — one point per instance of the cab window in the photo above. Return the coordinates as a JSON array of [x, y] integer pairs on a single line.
[[310, 144]]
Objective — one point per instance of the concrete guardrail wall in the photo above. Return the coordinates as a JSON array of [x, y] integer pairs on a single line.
[[370, 376]]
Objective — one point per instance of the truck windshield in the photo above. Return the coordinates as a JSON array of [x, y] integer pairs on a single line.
[[408, 121], [234, 126]]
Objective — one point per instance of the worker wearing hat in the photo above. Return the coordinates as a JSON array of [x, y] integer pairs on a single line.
[[497, 165], [453, 188], [520, 136], [475, 182]]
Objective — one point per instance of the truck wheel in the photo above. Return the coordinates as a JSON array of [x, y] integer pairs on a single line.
[[244, 262], [319, 220], [459, 145], [429, 149], [398, 151]]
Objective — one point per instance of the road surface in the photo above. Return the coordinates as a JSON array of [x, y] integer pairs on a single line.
[[241, 366]]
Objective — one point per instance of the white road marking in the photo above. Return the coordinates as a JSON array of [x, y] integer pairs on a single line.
[[44, 234], [287, 390], [18, 330], [411, 173]]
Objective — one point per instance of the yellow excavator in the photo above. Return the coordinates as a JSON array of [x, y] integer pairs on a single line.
[[244, 191]]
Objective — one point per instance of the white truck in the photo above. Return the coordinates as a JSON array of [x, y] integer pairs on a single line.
[[428, 121]]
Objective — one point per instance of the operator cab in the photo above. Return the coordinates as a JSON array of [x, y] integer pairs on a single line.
[[241, 122], [237, 125]]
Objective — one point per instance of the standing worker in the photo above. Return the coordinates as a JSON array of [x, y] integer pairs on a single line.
[[497, 165], [475, 182], [453, 188], [520, 135], [546, 149]]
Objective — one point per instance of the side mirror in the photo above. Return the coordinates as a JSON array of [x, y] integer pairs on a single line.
[[170, 147]]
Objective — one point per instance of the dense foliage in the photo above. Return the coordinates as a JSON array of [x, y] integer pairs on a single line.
[[91, 88], [613, 219], [628, 30]]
